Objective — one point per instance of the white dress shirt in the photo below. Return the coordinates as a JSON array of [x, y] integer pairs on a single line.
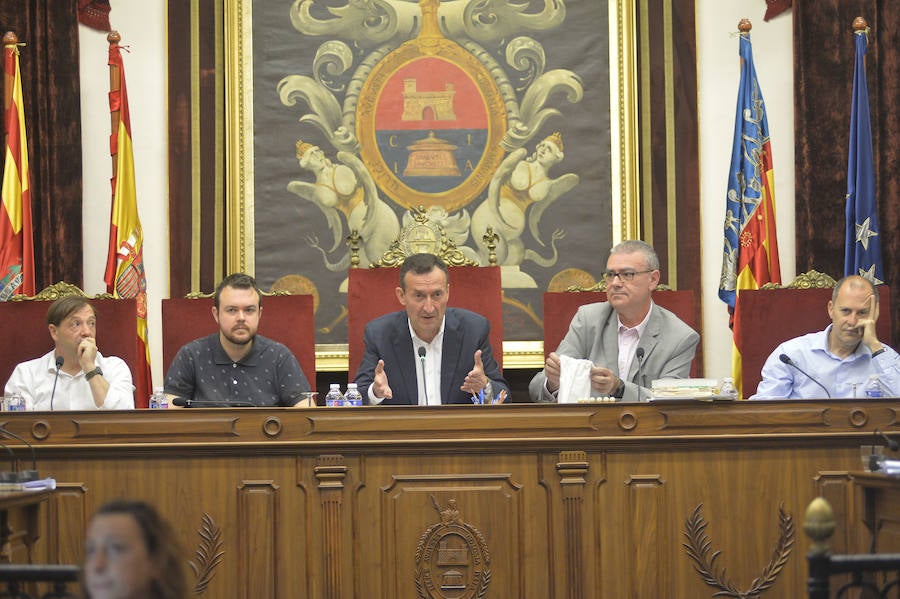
[[34, 379]]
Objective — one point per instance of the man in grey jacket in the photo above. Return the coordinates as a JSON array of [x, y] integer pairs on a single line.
[[626, 334]]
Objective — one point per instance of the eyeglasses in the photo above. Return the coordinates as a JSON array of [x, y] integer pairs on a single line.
[[624, 275]]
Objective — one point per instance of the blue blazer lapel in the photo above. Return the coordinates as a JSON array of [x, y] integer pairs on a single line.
[[450, 356], [405, 361]]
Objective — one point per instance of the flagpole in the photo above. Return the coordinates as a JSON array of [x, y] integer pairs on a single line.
[[115, 83], [9, 39]]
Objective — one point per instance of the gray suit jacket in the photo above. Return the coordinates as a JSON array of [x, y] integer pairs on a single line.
[[668, 343]]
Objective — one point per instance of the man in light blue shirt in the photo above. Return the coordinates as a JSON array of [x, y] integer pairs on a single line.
[[838, 361]]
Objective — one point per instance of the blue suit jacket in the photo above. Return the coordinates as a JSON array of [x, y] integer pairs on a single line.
[[387, 338]]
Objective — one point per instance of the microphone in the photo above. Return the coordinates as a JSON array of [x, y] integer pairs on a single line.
[[424, 381], [59, 362], [787, 360], [10, 476], [24, 475], [184, 402], [892, 445], [639, 354]]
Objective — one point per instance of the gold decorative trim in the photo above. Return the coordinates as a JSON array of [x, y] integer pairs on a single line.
[[422, 235], [811, 279], [624, 145], [56, 291]]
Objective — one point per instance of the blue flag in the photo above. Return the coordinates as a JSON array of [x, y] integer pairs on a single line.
[[862, 255]]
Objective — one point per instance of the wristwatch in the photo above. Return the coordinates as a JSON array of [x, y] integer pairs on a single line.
[[89, 375], [619, 391]]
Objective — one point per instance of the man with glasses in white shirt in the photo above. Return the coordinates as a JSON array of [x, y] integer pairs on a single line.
[[626, 337]]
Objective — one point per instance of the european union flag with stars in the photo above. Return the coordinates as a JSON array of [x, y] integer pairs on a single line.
[[862, 255]]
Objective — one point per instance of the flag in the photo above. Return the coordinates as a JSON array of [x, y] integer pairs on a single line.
[[125, 258], [862, 254], [16, 243], [750, 258]]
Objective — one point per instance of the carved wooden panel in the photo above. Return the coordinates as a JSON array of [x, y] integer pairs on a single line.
[[492, 504], [257, 532]]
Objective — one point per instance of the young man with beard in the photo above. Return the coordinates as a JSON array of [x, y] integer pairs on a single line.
[[236, 366]]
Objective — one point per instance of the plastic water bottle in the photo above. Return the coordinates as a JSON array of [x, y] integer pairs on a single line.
[[334, 398], [873, 387], [353, 398], [158, 400], [727, 389]]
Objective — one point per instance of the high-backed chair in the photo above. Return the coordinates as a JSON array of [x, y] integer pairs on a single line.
[[772, 315], [560, 307], [26, 335], [287, 319], [371, 291]]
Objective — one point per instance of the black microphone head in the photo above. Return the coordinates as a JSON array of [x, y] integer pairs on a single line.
[[181, 402], [422, 352], [59, 362], [784, 358], [639, 352], [891, 444]]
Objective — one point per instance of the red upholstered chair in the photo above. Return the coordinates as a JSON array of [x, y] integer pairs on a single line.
[[370, 294], [287, 319], [560, 307], [26, 335], [767, 317]]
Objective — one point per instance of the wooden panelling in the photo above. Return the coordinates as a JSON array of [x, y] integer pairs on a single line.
[[586, 501]]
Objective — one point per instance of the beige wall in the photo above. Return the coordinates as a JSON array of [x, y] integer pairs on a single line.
[[143, 27]]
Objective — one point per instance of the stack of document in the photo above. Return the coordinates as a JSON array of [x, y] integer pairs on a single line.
[[890, 466], [662, 389]]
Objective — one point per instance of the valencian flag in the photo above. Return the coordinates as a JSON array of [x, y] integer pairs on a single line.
[[125, 260], [16, 243], [751, 249], [862, 254]]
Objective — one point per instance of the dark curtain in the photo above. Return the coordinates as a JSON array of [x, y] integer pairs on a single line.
[[50, 86], [823, 55]]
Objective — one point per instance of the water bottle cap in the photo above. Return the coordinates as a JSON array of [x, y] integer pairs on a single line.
[[334, 386], [351, 385], [157, 389]]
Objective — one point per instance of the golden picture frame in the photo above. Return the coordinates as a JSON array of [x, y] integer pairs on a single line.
[[240, 138]]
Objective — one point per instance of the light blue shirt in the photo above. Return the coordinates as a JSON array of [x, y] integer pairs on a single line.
[[843, 377]]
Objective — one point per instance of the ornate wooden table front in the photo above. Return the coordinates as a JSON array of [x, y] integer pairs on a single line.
[[506, 501]]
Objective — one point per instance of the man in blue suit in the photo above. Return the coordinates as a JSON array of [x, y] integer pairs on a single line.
[[428, 354]]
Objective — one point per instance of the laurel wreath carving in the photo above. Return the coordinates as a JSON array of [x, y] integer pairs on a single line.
[[699, 549], [209, 553]]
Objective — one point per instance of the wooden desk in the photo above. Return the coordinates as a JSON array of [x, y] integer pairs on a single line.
[[572, 501], [881, 511]]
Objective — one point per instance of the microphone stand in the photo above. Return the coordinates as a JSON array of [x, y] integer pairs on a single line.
[[639, 354], [424, 380], [59, 363]]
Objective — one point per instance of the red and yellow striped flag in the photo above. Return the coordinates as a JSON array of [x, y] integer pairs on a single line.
[[16, 243], [125, 259]]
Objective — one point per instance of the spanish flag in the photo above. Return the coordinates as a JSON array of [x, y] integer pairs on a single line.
[[750, 257], [16, 244], [125, 259]]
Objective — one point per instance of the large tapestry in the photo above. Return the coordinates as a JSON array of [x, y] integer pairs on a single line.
[[484, 112]]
